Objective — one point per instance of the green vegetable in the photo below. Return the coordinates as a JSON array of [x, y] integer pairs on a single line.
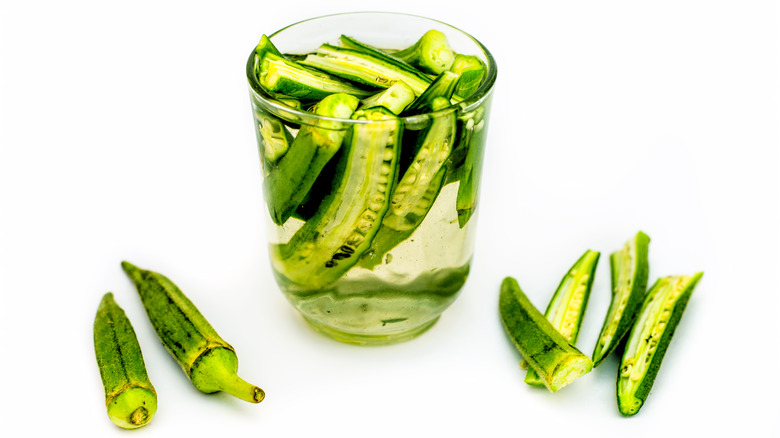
[[568, 304], [281, 76], [630, 269], [272, 135], [395, 98], [365, 68], [208, 361], [332, 241], [443, 86], [474, 137], [431, 53], [131, 400], [649, 338], [287, 185], [547, 352], [431, 154], [471, 70]]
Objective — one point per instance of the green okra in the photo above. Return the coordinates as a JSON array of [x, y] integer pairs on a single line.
[[545, 349], [443, 86], [208, 361], [365, 68], [630, 269], [569, 302], [288, 183], [432, 152], [649, 339], [272, 136], [471, 70], [395, 98], [431, 53], [473, 139], [131, 400], [341, 230], [282, 77]]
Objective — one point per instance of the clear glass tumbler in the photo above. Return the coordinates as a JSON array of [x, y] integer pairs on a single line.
[[382, 242]]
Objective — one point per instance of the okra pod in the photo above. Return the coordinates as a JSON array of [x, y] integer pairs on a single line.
[[649, 339], [431, 53], [474, 139], [282, 77], [443, 86], [208, 361], [395, 98], [569, 302], [342, 229], [472, 70], [287, 184], [629, 268], [545, 349], [131, 400], [364, 68]]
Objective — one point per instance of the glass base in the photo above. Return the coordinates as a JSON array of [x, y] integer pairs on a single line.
[[364, 339]]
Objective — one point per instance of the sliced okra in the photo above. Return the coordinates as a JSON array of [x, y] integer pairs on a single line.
[[629, 268], [567, 306], [545, 349], [649, 339]]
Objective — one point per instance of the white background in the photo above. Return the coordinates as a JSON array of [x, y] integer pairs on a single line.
[[126, 134]]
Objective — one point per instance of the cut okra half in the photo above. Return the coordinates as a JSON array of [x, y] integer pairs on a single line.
[[567, 306], [546, 350], [649, 339], [630, 268]]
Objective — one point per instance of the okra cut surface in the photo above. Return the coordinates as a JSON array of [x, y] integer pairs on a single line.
[[649, 339], [557, 362]]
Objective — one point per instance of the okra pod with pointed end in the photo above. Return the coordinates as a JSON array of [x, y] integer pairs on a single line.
[[443, 86], [208, 361], [431, 53], [287, 185], [131, 400], [649, 339], [332, 241], [475, 138], [547, 352], [567, 306], [630, 268]]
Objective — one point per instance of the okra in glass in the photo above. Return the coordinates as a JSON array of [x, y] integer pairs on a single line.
[[371, 130]]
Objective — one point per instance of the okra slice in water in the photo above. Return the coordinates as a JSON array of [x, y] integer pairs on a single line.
[[545, 349], [649, 339], [395, 98], [567, 306], [472, 70], [431, 53], [365, 68], [288, 183], [630, 268], [443, 86], [280, 77], [131, 400], [208, 361], [332, 241], [473, 139], [418, 188]]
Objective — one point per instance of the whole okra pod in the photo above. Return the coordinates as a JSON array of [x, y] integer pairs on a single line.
[[208, 361], [131, 400]]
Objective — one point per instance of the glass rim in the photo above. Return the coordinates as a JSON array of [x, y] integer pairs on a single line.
[[468, 104]]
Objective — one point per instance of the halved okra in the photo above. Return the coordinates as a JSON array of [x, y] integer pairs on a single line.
[[649, 339], [629, 268], [473, 139], [545, 349], [341, 230], [279, 75], [418, 188], [287, 184], [569, 302], [366, 68], [395, 98], [272, 136], [443, 86]]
